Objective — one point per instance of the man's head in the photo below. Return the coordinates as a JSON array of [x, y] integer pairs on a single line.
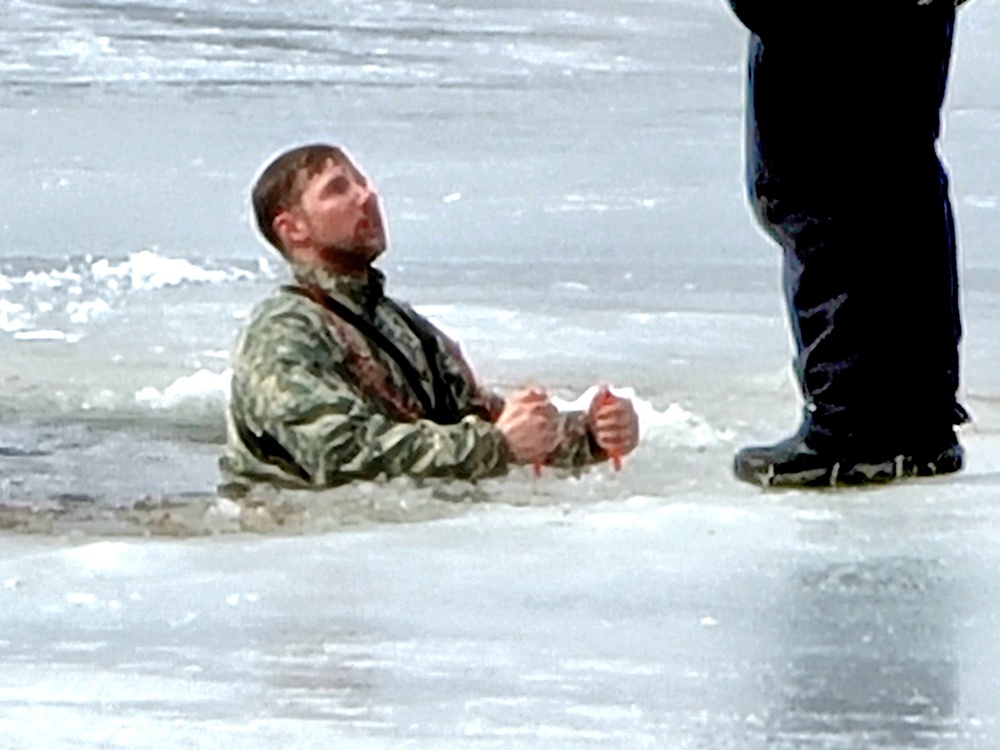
[[315, 206]]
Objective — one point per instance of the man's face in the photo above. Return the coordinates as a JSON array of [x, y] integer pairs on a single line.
[[339, 216]]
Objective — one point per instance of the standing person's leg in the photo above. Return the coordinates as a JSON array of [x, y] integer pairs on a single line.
[[844, 174]]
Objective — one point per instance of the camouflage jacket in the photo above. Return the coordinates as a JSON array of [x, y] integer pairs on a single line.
[[334, 381]]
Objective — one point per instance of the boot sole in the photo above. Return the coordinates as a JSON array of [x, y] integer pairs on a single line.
[[851, 473]]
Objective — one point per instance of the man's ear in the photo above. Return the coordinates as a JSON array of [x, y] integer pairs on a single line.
[[290, 229]]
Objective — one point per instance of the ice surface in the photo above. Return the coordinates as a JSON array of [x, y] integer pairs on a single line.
[[839, 619], [563, 186]]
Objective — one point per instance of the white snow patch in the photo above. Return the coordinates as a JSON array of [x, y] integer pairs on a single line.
[[47, 335], [204, 385], [981, 201], [82, 312], [147, 270], [12, 316], [100, 555]]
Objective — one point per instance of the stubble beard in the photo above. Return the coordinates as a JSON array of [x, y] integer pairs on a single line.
[[354, 256], [369, 234]]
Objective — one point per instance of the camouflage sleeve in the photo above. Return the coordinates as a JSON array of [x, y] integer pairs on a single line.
[[294, 387], [577, 447]]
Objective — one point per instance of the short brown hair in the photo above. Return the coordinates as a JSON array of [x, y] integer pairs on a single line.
[[280, 185]]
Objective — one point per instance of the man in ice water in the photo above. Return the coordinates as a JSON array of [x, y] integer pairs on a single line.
[[843, 117], [335, 381]]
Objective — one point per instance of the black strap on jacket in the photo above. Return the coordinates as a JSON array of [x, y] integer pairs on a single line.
[[435, 406], [445, 407], [266, 449]]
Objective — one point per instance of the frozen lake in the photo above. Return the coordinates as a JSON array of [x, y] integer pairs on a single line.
[[721, 619], [563, 191]]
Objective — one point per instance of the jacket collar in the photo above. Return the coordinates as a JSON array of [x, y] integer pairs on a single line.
[[361, 294]]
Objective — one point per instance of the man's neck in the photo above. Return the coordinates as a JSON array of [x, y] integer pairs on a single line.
[[350, 268], [364, 288], [341, 264]]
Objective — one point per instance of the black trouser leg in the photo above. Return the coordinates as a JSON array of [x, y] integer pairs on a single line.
[[844, 174], [873, 306]]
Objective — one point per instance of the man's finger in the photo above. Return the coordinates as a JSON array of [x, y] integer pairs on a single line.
[[613, 422]]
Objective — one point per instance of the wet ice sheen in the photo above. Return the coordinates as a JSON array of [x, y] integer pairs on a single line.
[[507, 627]]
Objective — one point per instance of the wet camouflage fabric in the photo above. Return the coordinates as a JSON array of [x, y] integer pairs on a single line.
[[314, 404]]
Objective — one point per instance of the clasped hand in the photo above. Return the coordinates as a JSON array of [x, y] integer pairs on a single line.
[[614, 423], [530, 422]]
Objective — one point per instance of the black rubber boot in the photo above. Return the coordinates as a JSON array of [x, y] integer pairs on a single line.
[[796, 463]]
